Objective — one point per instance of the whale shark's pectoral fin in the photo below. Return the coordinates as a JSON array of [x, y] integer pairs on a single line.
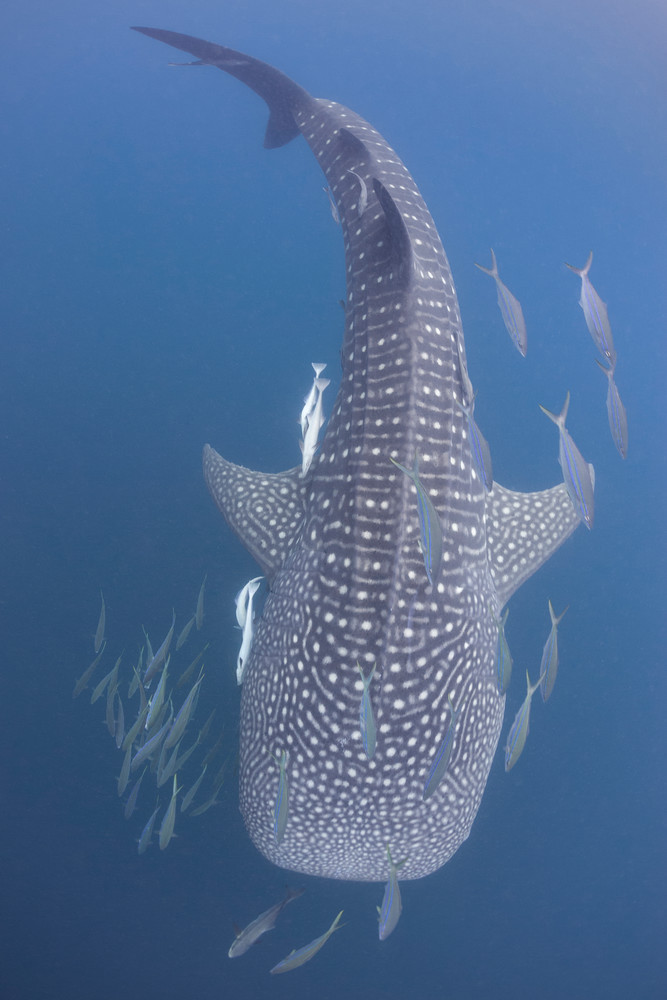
[[265, 510], [522, 531]]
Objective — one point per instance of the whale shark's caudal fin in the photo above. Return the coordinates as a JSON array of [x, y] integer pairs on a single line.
[[281, 94], [265, 510]]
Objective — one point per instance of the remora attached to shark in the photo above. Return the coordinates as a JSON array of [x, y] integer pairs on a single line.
[[340, 548]]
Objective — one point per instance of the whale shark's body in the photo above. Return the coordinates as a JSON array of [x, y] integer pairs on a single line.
[[342, 548]]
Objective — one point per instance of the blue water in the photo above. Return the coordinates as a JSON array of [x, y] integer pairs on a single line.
[[166, 282]]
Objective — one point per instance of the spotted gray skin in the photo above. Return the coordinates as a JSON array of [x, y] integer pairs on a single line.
[[340, 549]]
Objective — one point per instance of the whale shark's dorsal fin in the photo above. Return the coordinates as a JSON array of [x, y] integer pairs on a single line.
[[522, 531], [282, 95], [265, 510], [398, 231]]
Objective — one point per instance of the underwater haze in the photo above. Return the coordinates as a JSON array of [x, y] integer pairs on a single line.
[[166, 282]]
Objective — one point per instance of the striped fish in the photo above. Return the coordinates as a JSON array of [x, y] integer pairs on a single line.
[[549, 665], [510, 308], [577, 472], [595, 313], [429, 523]]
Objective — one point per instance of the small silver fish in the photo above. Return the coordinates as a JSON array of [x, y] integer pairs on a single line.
[[147, 833], [84, 679], [366, 716], [266, 921], [101, 687], [190, 669], [510, 308], [549, 665], [119, 731], [595, 313], [577, 474], [159, 658], [429, 522], [281, 807], [503, 656], [199, 613], [392, 905], [131, 803], [618, 418], [135, 729], [157, 701], [301, 955], [124, 775], [183, 715], [169, 818], [441, 759], [479, 447], [185, 632], [186, 801], [151, 746], [518, 733], [101, 625]]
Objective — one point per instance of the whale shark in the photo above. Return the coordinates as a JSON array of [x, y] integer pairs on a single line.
[[351, 611]]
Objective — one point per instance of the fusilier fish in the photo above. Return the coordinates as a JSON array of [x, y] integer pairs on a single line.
[[503, 657], [595, 313], [135, 729], [84, 679], [392, 905], [159, 658], [618, 419], [101, 625], [167, 825], [131, 803], [510, 308], [199, 613], [479, 447], [281, 807], [186, 801], [190, 669], [266, 921], [518, 733], [157, 701], [119, 731], [301, 955], [147, 832], [180, 723], [441, 759], [124, 775], [429, 522], [549, 665], [185, 632], [577, 472], [101, 686], [366, 717], [151, 746]]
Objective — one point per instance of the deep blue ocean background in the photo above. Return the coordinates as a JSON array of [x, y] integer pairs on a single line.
[[165, 281]]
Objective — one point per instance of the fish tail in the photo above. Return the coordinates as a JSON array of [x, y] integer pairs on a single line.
[[559, 419], [556, 619], [582, 271], [282, 95], [493, 270]]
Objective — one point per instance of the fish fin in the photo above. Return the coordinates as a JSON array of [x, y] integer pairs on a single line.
[[560, 418], [493, 270], [582, 271], [522, 531], [249, 501], [281, 94], [556, 619], [398, 233]]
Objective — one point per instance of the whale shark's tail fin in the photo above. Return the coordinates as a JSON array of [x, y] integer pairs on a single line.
[[281, 94]]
